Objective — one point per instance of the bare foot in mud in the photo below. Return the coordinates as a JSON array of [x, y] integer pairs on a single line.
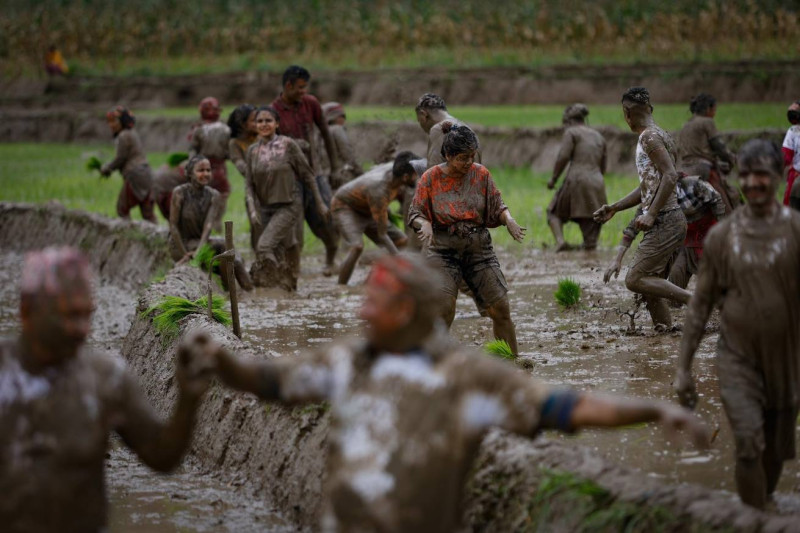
[[564, 247], [328, 271]]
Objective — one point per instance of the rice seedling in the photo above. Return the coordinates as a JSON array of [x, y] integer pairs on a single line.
[[177, 158], [568, 293], [499, 348], [93, 164], [170, 310], [203, 256]]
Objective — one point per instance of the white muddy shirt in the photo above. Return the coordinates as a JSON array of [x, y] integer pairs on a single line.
[[792, 142]]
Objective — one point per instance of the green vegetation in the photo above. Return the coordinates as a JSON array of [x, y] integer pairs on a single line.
[[93, 164], [177, 158], [160, 37], [170, 310], [499, 348], [203, 256], [730, 116], [568, 293]]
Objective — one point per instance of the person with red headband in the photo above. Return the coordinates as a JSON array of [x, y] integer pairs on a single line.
[[409, 408], [59, 400], [210, 139], [131, 162]]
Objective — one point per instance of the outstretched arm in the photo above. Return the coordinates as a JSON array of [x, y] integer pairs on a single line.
[[161, 445], [607, 212]]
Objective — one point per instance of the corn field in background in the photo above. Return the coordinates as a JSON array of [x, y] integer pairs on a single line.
[[99, 36]]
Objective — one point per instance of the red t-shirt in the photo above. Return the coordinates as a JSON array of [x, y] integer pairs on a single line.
[[298, 120]]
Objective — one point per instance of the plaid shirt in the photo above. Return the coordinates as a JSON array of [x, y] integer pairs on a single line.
[[695, 198]]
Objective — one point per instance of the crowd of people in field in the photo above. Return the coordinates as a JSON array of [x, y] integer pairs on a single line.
[[410, 405]]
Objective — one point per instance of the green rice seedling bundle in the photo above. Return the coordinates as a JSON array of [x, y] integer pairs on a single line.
[[499, 348], [177, 158], [170, 310], [568, 293], [93, 164], [203, 256]]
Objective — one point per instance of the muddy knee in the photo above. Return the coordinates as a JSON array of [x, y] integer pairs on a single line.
[[633, 280]]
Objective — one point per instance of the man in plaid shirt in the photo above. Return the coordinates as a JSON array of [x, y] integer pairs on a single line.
[[703, 206]]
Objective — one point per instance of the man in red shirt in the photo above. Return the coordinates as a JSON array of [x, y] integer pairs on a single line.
[[299, 112]]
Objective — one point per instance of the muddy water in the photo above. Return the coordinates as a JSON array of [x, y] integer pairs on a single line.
[[589, 348], [141, 500]]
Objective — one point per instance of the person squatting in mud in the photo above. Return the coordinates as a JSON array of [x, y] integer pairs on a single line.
[[702, 152], [703, 207], [662, 220], [59, 400], [361, 207], [752, 269], [192, 214], [299, 112], [132, 164], [454, 206], [791, 149], [276, 167], [409, 408], [210, 139], [350, 169], [583, 191]]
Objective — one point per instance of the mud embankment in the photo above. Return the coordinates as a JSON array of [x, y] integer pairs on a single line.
[[757, 81], [536, 148]]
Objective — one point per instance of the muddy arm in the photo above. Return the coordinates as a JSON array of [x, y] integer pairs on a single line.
[[161, 445], [195, 142], [123, 153], [330, 147], [607, 212], [564, 155], [251, 200], [379, 208], [721, 150], [174, 218], [246, 376], [303, 171], [211, 216]]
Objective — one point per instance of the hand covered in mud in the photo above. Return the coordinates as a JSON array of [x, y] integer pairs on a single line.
[[186, 258], [196, 364], [323, 210], [645, 222], [612, 270], [675, 419], [426, 233], [514, 229], [604, 214], [686, 389]]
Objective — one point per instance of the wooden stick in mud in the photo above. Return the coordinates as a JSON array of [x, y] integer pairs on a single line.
[[228, 266]]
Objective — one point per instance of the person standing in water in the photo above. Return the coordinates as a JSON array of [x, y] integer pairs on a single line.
[[751, 268], [662, 220], [583, 191]]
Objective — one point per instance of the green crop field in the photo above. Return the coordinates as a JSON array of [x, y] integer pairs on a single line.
[[735, 116], [39, 173]]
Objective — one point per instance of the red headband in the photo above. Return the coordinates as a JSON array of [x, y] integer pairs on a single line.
[[385, 276]]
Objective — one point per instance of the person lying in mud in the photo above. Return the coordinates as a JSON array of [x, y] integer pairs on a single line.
[[192, 214], [276, 167], [752, 269], [132, 164], [350, 169], [59, 400], [791, 149], [703, 207], [165, 180], [662, 220], [210, 139], [454, 206], [299, 112], [583, 191], [409, 408], [702, 152], [361, 207]]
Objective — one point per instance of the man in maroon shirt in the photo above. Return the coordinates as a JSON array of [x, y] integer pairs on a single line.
[[299, 113]]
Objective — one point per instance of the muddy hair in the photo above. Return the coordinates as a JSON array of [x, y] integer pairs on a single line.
[[793, 115], [238, 118], [458, 139], [402, 164], [191, 163], [430, 101], [294, 73], [575, 113], [756, 151], [702, 103], [637, 96]]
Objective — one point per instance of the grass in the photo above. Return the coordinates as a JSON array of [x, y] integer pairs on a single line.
[[38, 173], [170, 310], [568, 293], [730, 116], [499, 348]]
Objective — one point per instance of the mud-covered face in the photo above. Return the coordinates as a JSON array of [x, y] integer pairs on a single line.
[[759, 182], [385, 312], [114, 124], [294, 92], [711, 111], [425, 120], [250, 124], [61, 324], [266, 125], [201, 173], [626, 112], [460, 164]]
